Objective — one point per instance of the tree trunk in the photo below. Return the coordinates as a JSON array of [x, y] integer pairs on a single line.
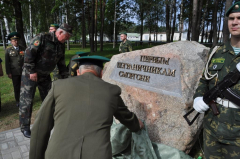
[[96, 4], [167, 21], [19, 21], [141, 28], [181, 22], [199, 19], [220, 21], [203, 20], [83, 26], [30, 21], [194, 20], [174, 20], [215, 22], [3, 39], [102, 23], [114, 29], [225, 23], [92, 26]]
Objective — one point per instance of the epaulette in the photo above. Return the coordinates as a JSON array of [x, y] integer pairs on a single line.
[[9, 47]]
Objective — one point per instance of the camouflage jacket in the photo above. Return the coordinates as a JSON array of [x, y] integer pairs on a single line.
[[125, 46], [14, 60], [44, 53], [226, 125]]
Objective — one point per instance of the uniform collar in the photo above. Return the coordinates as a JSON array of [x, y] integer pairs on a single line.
[[16, 47], [228, 48]]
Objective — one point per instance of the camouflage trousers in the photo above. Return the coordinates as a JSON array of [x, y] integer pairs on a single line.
[[27, 93], [56, 75], [214, 149]]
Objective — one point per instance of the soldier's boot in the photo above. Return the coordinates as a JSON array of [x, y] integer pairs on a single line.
[[26, 132]]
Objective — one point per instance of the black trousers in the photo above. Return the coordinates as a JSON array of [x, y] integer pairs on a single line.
[[16, 80]]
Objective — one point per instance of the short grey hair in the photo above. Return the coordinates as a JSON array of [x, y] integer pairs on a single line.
[[59, 29], [95, 68]]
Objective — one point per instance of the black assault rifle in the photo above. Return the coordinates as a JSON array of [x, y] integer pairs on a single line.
[[222, 90]]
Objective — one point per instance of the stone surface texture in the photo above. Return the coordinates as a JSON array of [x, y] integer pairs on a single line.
[[163, 113]]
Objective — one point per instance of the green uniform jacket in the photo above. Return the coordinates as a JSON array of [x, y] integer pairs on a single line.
[[14, 60], [81, 110], [125, 46], [44, 53], [226, 126]]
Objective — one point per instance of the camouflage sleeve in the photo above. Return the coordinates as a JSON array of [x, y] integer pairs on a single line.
[[7, 62], [31, 53], [130, 46], [63, 71]]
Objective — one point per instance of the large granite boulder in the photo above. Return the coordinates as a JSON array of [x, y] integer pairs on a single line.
[[158, 84]]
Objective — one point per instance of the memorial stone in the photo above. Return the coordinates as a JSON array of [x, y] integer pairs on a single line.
[[158, 84]]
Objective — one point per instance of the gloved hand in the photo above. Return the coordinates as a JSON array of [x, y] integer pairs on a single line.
[[238, 66], [199, 105]]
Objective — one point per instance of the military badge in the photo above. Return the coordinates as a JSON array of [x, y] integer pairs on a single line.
[[21, 52], [36, 43], [214, 67], [218, 60]]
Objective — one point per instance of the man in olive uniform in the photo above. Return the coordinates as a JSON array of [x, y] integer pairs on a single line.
[[53, 28], [45, 52], [14, 58], [221, 132], [81, 109], [73, 65], [125, 45]]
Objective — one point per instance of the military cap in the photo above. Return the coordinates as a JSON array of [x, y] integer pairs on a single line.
[[93, 60], [14, 35], [81, 53], [54, 25], [66, 27], [234, 8], [125, 33]]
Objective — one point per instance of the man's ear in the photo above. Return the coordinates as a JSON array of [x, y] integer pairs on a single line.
[[78, 73]]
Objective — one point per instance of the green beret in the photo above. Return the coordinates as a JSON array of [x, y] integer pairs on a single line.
[[233, 9], [66, 27], [54, 25], [125, 33], [93, 60], [82, 53], [14, 35]]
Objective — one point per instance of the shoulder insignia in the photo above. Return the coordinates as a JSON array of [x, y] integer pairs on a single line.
[[36, 43], [218, 60]]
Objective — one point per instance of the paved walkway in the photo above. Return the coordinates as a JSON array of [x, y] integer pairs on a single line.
[[13, 145]]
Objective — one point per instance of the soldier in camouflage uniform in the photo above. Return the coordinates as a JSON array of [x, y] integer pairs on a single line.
[[53, 28], [14, 57], [73, 65], [221, 133], [45, 52], [125, 45]]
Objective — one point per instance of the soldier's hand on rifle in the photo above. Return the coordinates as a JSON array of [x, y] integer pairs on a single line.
[[238, 66], [33, 77], [199, 105]]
